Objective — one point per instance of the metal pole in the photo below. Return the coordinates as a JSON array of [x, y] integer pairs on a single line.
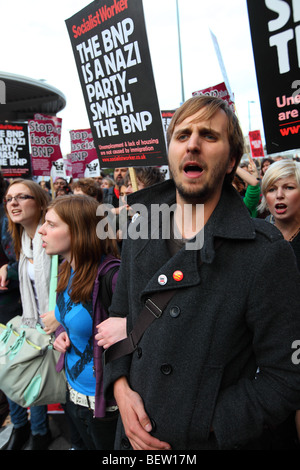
[[249, 116], [180, 54]]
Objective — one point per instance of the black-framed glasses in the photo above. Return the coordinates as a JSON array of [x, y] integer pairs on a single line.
[[18, 198]]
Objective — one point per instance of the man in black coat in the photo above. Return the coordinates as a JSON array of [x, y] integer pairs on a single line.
[[219, 365]]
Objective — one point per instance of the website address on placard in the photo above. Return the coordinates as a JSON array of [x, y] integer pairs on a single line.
[[290, 130], [127, 157]]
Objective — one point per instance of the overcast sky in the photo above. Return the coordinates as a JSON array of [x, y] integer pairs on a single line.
[[35, 43]]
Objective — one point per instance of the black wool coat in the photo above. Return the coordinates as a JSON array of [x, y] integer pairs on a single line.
[[218, 365]]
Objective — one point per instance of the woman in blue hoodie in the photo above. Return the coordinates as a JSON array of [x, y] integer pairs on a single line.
[[70, 230]]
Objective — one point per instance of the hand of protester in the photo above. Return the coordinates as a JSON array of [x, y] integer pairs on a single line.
[[246, 176], [62, 342], [252, 168], [3, 277], [111, 331], [49, 321], [137, 424]]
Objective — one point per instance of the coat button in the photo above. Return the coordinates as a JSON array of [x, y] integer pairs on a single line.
[[174, 311], [125, 443], [139, 352], [166, 369]]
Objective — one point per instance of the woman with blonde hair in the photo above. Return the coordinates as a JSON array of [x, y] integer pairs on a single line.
[[70, 230], [25, 205], [281, 196]]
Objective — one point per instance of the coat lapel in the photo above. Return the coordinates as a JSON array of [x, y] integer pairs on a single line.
[[160, 275], [230, 220]]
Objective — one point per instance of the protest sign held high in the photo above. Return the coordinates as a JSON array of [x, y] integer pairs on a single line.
[[46, 156], [275, 30], [256, 145], [219, 91], [166, 116], [111, 51], [83, 155], [57, 121]]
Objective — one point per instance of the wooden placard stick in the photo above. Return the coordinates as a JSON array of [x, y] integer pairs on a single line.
[[52, 188], [133, 179]]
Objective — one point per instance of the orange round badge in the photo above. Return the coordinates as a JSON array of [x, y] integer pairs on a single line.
[[178, 276]]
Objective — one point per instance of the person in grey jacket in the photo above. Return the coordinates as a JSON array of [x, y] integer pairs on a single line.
[[217, 367]]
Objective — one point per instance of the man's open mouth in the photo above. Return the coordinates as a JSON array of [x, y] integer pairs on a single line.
[[192, 170]]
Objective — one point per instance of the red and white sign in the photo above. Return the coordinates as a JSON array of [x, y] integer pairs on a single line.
[[46, 156], [256, 145], [84, 158], [219, 91], [57, 121]]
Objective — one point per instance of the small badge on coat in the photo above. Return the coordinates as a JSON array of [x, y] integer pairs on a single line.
[[162, 279], [178, 275]]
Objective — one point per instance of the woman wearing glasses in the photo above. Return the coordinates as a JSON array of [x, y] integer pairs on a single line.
[[25, 204]]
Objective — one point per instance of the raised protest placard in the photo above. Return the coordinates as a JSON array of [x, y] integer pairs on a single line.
[[166, 116], [57, 121], [58, 163], [112, 55], [219, 91], [85, 163], [46, 156], [14, 150], [256, 145], [275, 31]]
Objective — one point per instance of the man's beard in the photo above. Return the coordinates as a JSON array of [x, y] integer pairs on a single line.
[[195, 194]]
